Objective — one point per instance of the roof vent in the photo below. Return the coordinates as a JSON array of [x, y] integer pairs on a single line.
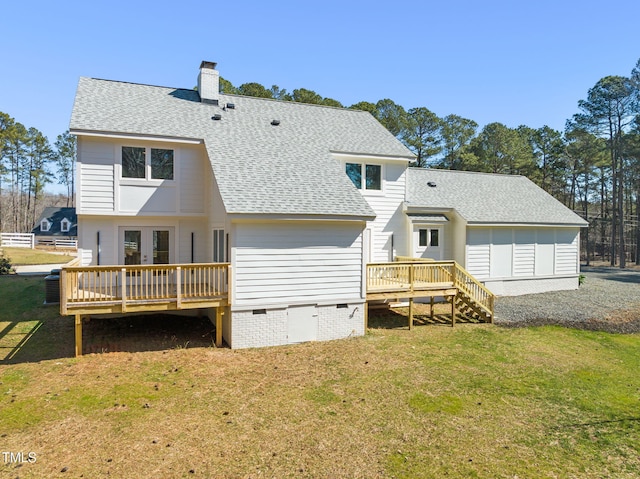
[[217, 116], [432, 184], [231, 106], [275, 122]]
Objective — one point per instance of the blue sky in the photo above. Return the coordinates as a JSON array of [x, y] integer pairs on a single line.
[[513, 62]]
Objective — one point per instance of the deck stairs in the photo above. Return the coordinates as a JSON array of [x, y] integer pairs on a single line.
[[410, 278], [468, 307]]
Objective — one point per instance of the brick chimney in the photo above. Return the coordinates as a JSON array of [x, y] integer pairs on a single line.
[[208, 83]]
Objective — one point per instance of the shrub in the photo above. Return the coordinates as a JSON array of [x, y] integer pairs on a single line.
[[581, 279], [5, 265]]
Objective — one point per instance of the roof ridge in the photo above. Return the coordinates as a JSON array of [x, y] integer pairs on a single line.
[[235, 95], [140, 84], [486, 173], [291, 102]]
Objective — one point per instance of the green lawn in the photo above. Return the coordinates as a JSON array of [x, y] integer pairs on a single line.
[[26, 256], [470, 401]]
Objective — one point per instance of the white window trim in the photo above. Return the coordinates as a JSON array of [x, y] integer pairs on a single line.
[[147, 180], [45, 225], [428, 229], [363, 175], [64, 222]]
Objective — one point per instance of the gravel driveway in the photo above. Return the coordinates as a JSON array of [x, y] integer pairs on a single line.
[[608, 300]]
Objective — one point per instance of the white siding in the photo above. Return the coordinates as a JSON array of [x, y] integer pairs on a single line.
[[88, 228], [545, 251], [479, 252], [567, 248], [101, 189], [192, 164], [109, 229], [390, 218], [501, 253], [200, 241], [147, 199], [95, 176], [297, 262], [522, 252]]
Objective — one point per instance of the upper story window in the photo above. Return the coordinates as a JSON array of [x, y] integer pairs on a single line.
[[372, 175], [65, 225], [45, 225], [149, 163]]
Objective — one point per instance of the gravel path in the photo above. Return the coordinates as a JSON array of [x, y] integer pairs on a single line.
[[608, 300]]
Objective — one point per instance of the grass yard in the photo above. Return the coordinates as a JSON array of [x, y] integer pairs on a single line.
[[470, 401], [26, 256]]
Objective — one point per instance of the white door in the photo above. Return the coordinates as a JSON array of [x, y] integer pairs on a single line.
[[302, 324], [146, 245], [427, 242]]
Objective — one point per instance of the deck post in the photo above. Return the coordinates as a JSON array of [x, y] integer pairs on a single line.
[[123, 290], [218, 327], [366, 315], [453, 310], [64, 287], [179, 291], [411, 277], [491, 306], [431, 304], [78, 335], [410, 313]]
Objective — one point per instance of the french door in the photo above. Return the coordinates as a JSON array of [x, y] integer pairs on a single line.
[[146, 245]]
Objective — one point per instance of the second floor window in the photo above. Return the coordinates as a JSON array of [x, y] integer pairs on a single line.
[[371, 174], [65, 225], [150, 163]]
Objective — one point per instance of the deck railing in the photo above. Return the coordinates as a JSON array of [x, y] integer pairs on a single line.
[[411, 276], [466, 283], [87, 287]]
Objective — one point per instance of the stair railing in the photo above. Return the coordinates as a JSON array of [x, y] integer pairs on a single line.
[[467, 284]]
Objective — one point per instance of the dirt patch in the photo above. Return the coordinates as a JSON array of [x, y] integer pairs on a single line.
[[153, 332]]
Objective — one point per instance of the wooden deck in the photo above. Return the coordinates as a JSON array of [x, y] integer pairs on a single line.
[[415, 278], [93, 290], [142, 288]]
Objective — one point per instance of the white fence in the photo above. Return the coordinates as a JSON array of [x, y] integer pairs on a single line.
[[17, 240], [63, 243]]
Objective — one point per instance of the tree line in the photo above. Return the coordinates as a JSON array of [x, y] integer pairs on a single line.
[[28, 162], [593, 166]]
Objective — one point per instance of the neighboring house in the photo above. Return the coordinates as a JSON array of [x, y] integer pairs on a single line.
[[55, 222], [169, 175]]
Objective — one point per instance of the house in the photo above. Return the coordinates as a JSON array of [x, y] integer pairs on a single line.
[[291, 201], [56, 224]]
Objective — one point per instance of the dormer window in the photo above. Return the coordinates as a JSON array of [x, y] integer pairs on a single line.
[[65, 225], [372, 175], [45, 225]]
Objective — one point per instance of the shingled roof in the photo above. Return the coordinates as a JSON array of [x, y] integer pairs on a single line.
[[260, 168], [482, 198], [54, 215]]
